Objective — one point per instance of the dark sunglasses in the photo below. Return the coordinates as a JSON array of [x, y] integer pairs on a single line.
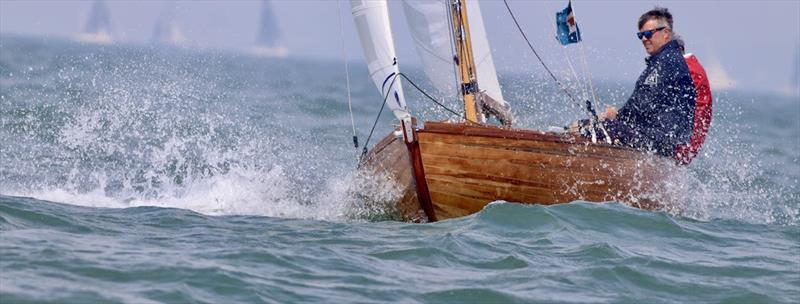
[[649, 34]]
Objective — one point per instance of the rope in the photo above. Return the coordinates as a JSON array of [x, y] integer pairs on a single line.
[[385, 97], [578, 80], [588, 75], [588, 109], [374, 124], [347, 73], [431, 98], [560, 85]]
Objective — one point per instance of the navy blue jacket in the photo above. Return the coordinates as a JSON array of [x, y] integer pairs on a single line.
[[659, 114]]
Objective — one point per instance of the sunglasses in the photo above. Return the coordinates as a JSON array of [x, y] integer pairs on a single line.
[[649, 34]]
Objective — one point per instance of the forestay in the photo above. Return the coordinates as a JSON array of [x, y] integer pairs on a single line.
[[429, 22], [372, 21]]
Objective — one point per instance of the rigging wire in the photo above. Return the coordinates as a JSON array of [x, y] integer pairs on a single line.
[[453, 52], [588, 73], [347, 73], [385, 97], [593, 119], [578, 79], [560, 85]]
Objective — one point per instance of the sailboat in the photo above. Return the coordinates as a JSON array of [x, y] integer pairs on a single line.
[[98, 26], [268, 42], [718, 77], [166, 30], [448, 169]]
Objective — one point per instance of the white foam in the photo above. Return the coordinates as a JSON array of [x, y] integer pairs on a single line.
[[238, 192]]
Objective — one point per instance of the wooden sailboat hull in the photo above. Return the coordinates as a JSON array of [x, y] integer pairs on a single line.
[[465, 167]]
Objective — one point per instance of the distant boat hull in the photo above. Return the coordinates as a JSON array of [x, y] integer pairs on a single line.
[[465, 167], [94, 38], [270, 52]]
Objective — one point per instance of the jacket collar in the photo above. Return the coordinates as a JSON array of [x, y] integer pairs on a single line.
[[673, 44]]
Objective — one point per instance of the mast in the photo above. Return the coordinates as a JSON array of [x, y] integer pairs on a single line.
[[464, 59]]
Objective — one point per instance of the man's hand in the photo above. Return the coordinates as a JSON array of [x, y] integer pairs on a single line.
[[609, 114], [574, 127]]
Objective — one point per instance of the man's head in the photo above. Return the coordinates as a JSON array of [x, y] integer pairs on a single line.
[[655, 29]]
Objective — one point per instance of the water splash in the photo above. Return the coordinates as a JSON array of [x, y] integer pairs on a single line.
[[220, 134]]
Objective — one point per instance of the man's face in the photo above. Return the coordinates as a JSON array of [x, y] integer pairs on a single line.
[[659, 38]]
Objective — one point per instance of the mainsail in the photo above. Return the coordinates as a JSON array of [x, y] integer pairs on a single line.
[[372, 22], [98, 26], [268, 41], [487, 75], [166, 30], [429, 22]]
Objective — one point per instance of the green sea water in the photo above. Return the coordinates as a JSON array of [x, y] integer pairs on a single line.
[[134, 174]]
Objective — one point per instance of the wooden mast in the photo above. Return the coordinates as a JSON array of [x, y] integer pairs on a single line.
[[464, 59]]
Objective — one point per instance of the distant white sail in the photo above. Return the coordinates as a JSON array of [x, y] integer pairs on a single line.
[[372, 22], [718, 77], [795, 87], [166, 29], [268, 41], [98, 26], [429, 22]]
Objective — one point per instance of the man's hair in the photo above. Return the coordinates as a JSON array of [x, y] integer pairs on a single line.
[[679, 40], [659, 13]]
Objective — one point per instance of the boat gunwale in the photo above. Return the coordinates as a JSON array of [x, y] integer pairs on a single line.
[[482, 130]]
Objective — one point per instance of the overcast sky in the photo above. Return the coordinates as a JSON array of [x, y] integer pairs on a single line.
[[748, 44]]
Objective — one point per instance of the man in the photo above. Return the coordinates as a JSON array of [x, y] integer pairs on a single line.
[[702, 113], [658, 115]]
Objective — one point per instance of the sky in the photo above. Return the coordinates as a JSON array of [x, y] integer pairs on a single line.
[[749, 45]]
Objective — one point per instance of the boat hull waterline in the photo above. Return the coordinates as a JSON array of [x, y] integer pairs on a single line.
[[467, 166]]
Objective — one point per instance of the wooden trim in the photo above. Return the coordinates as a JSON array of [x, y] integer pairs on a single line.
[[499, 132], [423, 194], [383, 144]]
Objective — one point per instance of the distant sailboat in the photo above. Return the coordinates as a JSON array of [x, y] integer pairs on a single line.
[[268, 42], [718, 77], [98, 26], [166, 30], [795, 86]]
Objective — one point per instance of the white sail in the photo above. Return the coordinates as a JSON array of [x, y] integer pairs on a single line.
[[372, 21], [166, 30], [429, 22], [98, 25], [482, 53], [269, 42]]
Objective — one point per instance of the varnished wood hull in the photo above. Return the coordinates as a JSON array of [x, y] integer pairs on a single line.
[[467, 166]]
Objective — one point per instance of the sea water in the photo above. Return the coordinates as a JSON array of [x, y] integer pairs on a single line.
[[136, 174]]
